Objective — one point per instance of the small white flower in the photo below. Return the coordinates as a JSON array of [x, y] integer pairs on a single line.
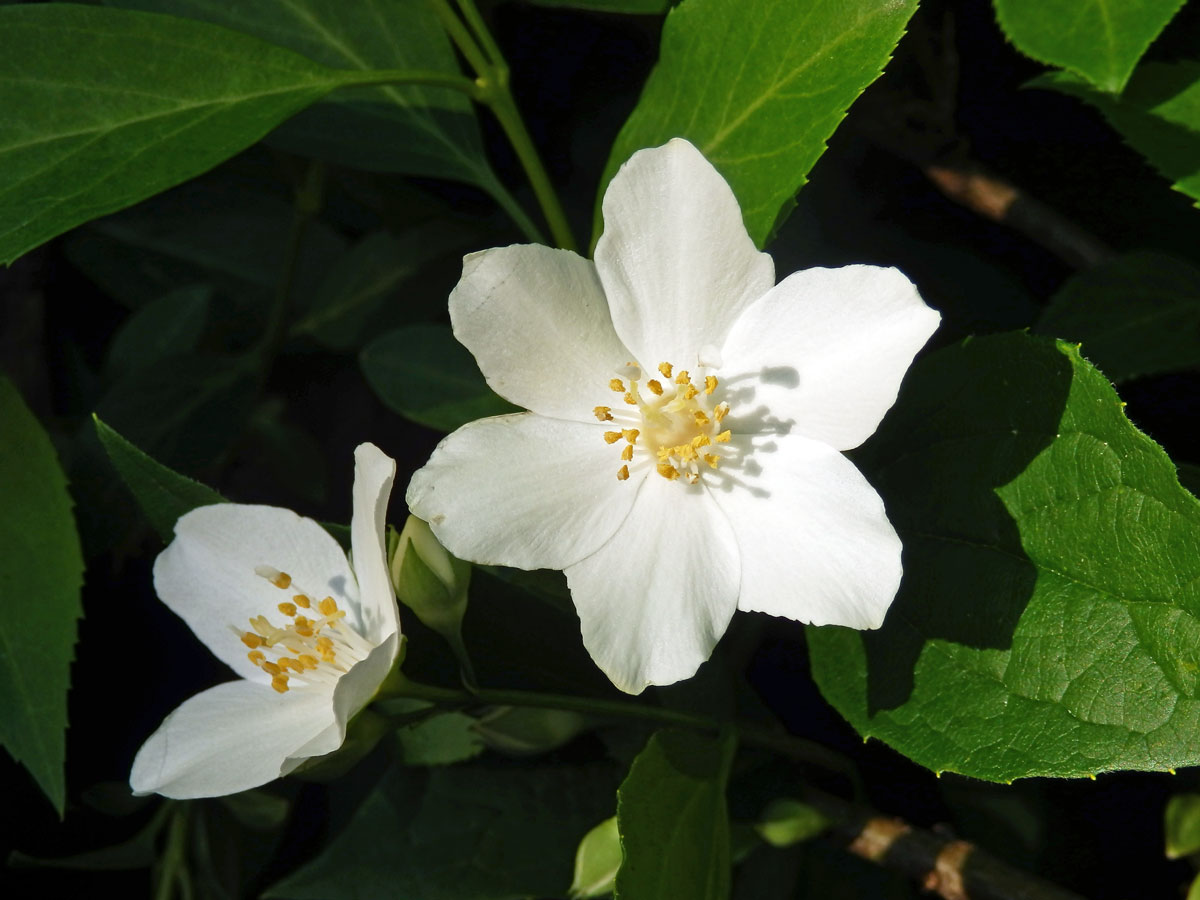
[[274, 597], [681, 457]]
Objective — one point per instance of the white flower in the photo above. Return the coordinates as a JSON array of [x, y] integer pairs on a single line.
[[274, 597], [680, 459]]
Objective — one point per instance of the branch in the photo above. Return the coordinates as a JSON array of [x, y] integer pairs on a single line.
[[951, 868]]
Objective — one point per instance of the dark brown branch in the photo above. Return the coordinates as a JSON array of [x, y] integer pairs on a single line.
[[951, 868]]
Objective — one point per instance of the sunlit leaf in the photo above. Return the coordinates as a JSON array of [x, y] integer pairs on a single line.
[[759, 86], [1181, 824], [1102, 40], [104, 107], [673, 819], [597, 861], [1137, 315], [1049, 618], [41, 572]]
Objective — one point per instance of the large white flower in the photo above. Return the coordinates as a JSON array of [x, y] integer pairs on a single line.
[[274, 597], [681, 457]]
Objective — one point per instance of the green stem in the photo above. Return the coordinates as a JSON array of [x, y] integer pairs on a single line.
[[172, 870], [794, 748], [493, 91]]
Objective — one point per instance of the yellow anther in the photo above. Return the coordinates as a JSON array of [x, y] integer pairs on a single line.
[[710, 383], [611, 437], [252, 640], [721, 411], [701, 440], [328, 606], [617, 385], [668, 471], [282, 580], [627, 453], [693, 478], [304, 631], [686, 452], [270, 668], [665, 368], [722, 438], [288, 609], [285, 663], [655, 387], [690, 391], [664, 452], [701, 418], [623, 473], [712, 459], [630, 434], [324, 643], [280, 683], [683, 377], [603, 413], [309, 662], [631, 400], [256, 657]]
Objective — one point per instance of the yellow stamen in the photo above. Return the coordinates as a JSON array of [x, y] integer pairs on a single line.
[[281, 580], [690, 392], [256, 657], [630, 434], [655, 387], [603, 413], [309, 662], [710, 383], [280, 683], [611, 437], [665, 368], [627, 453], [701, 418], [712, 459], [302, 601], [668, 471], [701, 440], [328, 606], [631, 400], [252, 640], [623, 473], [270, 668], [721, 411], [722, 438], [617, 385], [683, 377], [288, 609]]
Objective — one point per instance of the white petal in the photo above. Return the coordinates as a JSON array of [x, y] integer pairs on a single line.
[[537, 322], [206, 574], [523, 491], [374, 473], [675, 259], [654, 601], [826, 349], [816, 544], [229, 738]]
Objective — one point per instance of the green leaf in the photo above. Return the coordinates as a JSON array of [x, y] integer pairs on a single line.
[[759, 86], [41, 572], [1181, 823], [439, 740], [163, 495], [1049, 618], [424, 374], [467, 832], [1158, 115], [373, 271], [172, 324], [105, 107], [1101, 40], [673, 820], [597, 861], [410, 129], [1194, 889], [1136, 315]]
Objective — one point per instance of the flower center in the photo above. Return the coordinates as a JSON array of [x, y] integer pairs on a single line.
[[317, 647], [673, 426]]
